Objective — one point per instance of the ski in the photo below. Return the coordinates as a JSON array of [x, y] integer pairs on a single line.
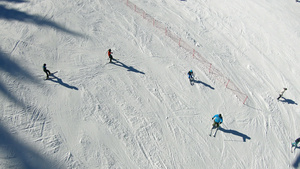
[[216, 131], [210, 131]]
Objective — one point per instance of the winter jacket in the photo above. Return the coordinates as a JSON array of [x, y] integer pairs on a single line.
[[281, 93], [109, 53], [217, 119]]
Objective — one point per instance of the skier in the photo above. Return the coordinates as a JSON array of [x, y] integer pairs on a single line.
[[191, 74], [191, 77], [48, 73], [109, 52], [281, 93], [294, 144], [218, 119]]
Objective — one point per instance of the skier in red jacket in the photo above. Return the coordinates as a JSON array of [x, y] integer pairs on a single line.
[[109, 52]]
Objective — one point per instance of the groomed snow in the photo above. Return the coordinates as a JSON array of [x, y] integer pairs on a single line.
[[141, 111]]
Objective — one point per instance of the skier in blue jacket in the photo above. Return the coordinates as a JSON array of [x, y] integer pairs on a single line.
[[294, 144], [218, 119]]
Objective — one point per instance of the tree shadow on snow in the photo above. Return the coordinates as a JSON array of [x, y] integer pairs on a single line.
[[13, 14], [206, 85], [13, 69], [288, 101], [59, 81], [129, 68], [20, 155], [234, 132]]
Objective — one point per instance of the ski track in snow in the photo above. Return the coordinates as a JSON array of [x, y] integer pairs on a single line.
[[141, 111]]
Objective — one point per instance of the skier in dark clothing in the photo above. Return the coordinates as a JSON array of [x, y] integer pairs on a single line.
[[48, 73], [191, 74], [191, 77], [294, 144], [109, 52]]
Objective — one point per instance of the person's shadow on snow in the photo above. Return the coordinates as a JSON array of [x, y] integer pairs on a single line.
[[288, 101], [59, 81], [234, 132], [129, 68], [296, 162], [207, 85]]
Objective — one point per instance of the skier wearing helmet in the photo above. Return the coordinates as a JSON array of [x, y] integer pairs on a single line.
[[191, 74], [191, 77]]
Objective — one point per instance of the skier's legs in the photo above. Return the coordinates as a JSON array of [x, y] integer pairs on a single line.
[[110, 58], [46, 71], [279, 97], [215, 125]]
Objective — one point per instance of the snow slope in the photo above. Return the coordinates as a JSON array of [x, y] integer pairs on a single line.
[[141, 111]]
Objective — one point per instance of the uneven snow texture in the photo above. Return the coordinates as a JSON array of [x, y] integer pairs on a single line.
[[141, 111]]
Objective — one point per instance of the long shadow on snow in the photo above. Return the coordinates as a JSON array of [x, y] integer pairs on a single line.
[[13, 14], [15, 1], [59, 81], [21, 154], [297, 161], [207, 85], [129, 68], [15, 70], [10, 96], [288, 101], [234, 132]]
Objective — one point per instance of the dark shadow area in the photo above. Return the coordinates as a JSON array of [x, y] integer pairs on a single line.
[[13, 69], [234, 132], [288, 101], [15, 1], [297, 161], [13, 14], [129, 68], [206, 85], [21, 155], [4, 90], [59, 81]]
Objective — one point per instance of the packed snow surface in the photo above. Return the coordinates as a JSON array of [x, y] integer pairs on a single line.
[[141, 111]]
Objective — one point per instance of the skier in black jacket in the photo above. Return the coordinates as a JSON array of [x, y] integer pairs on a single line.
[[48, 73]]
